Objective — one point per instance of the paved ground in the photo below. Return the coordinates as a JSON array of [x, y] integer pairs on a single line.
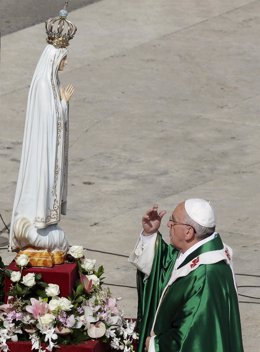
[[166, 107], [15, 15]]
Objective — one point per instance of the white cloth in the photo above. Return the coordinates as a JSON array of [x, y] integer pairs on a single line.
[[183, 256], [42, 181], [143, 253]]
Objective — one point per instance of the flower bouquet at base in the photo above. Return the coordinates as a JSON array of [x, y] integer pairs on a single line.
[[35, 311]]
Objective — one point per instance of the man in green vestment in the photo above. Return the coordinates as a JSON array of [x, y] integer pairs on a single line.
[[187, 299]]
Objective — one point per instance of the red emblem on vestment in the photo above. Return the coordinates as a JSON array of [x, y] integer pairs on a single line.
[[227, 254], [194, 262]]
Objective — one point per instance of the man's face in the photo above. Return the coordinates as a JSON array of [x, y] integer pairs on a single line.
[[177, 229]]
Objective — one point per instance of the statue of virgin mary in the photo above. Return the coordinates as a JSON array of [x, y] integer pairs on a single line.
[[41, 191]]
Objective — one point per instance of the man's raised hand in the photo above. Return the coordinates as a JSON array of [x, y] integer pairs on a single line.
[[152, 220]]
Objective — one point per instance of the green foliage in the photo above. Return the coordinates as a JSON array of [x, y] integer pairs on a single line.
[[77, 336], [100, 271], [79, 290], [19, 290]]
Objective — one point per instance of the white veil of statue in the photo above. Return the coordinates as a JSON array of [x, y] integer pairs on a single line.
[[41, 190]]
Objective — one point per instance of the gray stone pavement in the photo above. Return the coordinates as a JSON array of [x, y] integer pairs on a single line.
[[166, 108], [16, 15]]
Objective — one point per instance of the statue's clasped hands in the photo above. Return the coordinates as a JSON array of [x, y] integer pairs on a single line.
[[67, 92]]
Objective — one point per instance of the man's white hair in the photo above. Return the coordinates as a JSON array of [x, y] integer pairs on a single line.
[[201, 231]]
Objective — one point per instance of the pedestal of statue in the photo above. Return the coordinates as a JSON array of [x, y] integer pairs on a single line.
[[64, 275], [88, 346]]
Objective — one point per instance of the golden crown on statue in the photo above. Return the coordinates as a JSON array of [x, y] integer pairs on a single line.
[[59, 30]]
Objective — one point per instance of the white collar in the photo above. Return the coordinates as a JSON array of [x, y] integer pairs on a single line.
[[183, 256]]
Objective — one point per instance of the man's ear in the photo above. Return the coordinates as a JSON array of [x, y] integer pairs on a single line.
[[189, 234]]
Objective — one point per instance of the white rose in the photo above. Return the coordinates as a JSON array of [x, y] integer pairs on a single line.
[[76, 252], [60, 303], [65, 304], [46, 319], [29, 280], [15, 276], [52, 290], [22, 260], [94, 279], [88, 264], [54, 303]]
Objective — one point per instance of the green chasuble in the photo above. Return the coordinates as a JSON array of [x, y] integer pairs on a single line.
[[198, 312]]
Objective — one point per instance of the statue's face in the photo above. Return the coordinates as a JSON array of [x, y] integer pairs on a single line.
[[63, 63]]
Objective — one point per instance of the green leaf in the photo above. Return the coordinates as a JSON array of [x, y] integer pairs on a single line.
[[100, 271], [79, 290], [41, 293], [80, 299], [42, 284], [38, 277], [8, 272]]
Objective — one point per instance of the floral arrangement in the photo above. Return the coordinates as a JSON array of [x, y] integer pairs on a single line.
[[34, 310]]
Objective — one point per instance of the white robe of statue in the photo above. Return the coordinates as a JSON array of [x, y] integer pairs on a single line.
[[41, 190]]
